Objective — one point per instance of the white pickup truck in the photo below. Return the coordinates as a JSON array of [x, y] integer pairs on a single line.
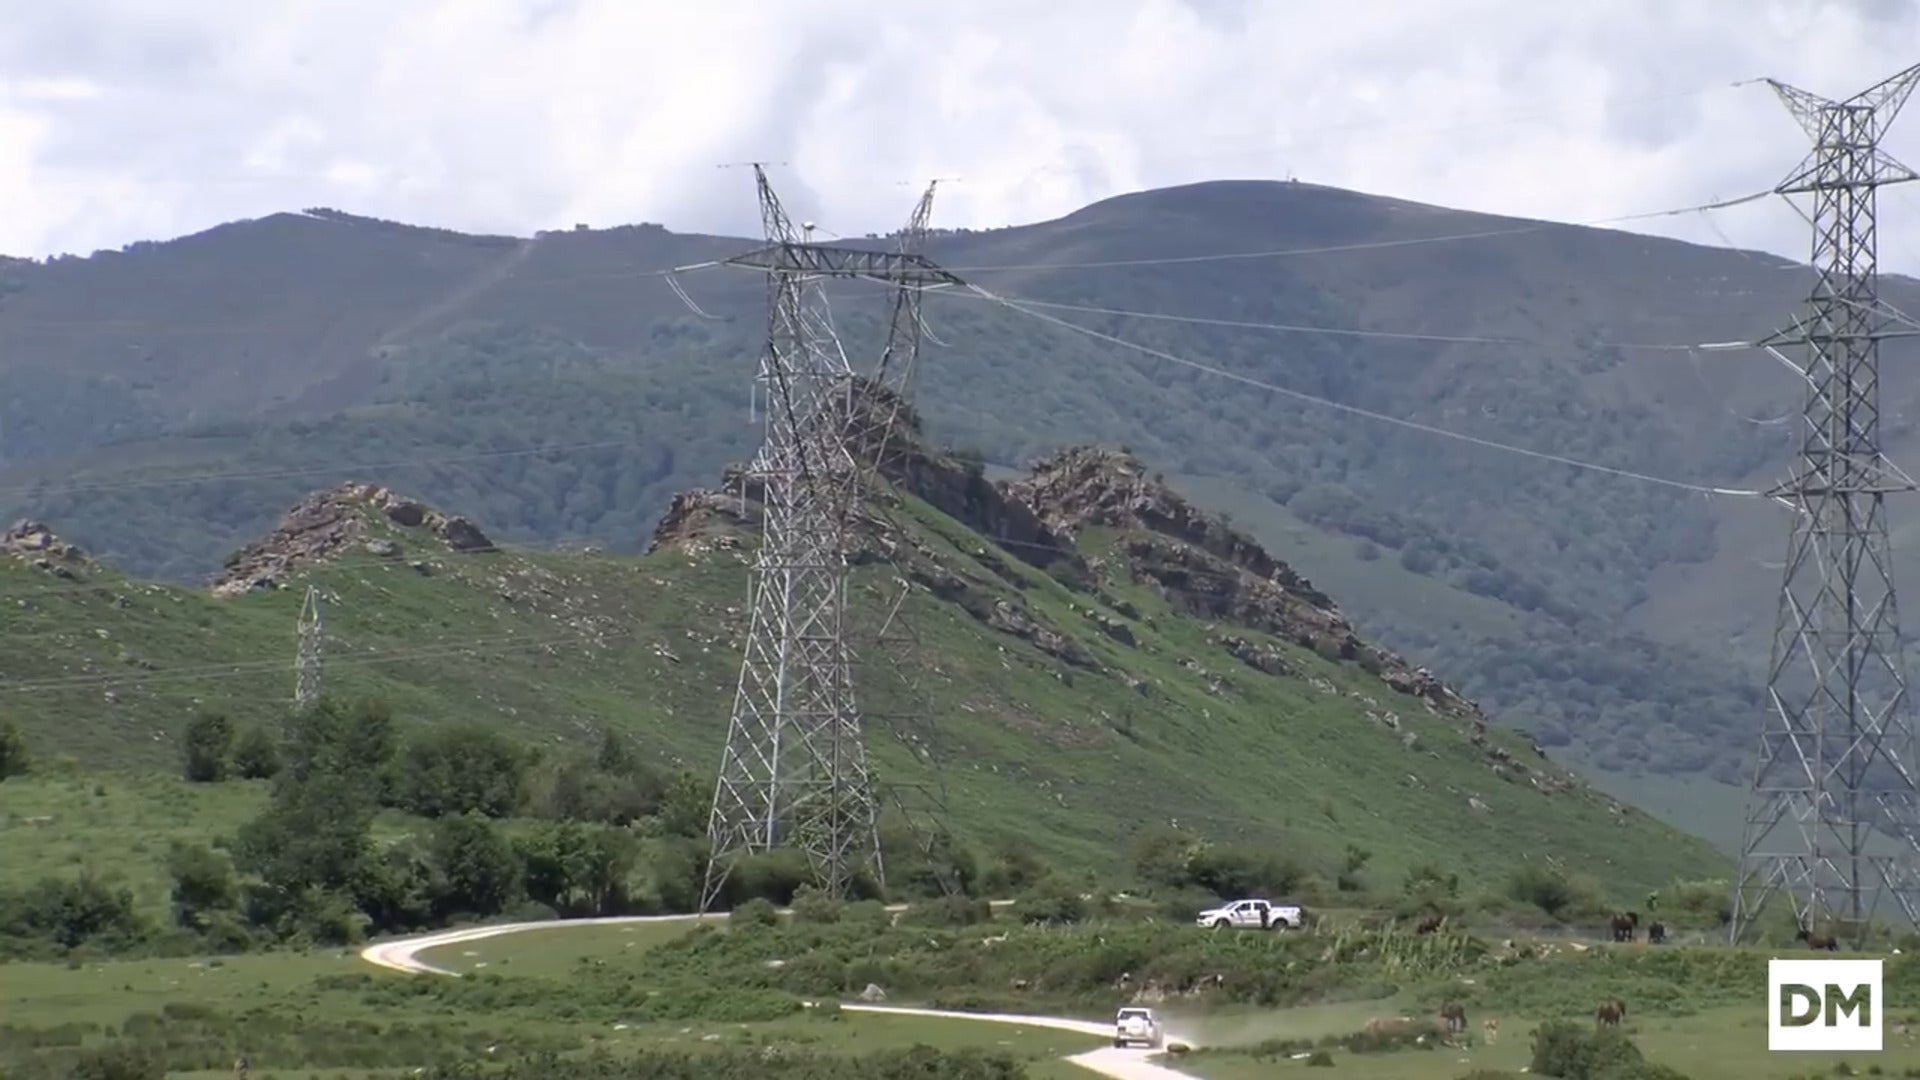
[[1137, 1025], [1258, 914]]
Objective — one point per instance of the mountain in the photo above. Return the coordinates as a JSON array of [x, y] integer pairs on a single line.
[[162, 400], [1090, 654]]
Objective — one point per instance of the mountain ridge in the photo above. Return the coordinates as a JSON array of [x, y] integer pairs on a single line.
[[1624, 625]]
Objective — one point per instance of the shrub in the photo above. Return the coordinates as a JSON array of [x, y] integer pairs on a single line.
[[1553, 891], [1053, 900], [14, 759], [948, 911], [812, 907], [205, 747], [755, 912], [1574, 1052], [255, 756]]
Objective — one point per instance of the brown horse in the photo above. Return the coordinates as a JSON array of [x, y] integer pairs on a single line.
[[1429, 923], [1454, 1015], [1609, 1014], [1624, 925], [1657, 934], [1818, 941]]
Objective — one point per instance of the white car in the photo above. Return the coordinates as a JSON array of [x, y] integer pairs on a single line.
[[1257, 914], [1136, 1025]]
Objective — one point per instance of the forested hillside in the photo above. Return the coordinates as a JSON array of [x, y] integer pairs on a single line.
[[165, 402], [1090, 656]]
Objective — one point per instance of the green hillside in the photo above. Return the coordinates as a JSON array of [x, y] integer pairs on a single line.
[[161, 402], [1158, 666]]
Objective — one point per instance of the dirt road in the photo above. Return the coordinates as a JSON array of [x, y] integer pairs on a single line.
[[402, 954]]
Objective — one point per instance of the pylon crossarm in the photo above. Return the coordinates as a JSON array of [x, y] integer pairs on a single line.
[[828, 261]]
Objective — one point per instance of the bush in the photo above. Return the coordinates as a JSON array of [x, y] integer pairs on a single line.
[[120, 1060], [948, 911], [1053, 900], [1554, 892], [205, 747], [58, 914], [870, 915], [812, 907], [255, 756], [14, 759], [1573, 1052], [755, 912]]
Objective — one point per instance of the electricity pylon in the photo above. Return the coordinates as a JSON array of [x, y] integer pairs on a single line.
[[1836, 744], [794, 772], [306, 664]]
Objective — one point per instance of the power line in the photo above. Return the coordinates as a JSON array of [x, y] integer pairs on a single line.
[[1355, 410], [1340, 331]]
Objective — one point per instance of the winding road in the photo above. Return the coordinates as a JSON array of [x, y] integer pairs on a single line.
[[402, 954]]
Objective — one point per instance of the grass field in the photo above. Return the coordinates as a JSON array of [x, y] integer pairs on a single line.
[[553, 952], [1716, 1044], [117, 824], [323, 1000], [304, 992]]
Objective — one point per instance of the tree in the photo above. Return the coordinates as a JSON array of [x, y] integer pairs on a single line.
[[459, 770], [255, 757], [684, 806], [313, 836], [202, 884], [14, 759], [355, 744], [614, 755], [205, 747], [480, 874], [553, 862]]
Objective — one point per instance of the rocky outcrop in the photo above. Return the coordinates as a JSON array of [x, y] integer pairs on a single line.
[[1195, 561], [1094, 486], [35, 544], [327, 523], [883, 432]]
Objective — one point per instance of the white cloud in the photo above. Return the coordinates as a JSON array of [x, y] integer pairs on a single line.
[[130, 120]]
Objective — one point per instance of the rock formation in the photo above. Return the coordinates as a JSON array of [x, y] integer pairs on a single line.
[[35, 544], [326, 523]]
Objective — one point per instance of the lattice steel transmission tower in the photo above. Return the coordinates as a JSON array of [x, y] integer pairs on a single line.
[[1836, 743], [794, 772], [306, 664], [896, 656]]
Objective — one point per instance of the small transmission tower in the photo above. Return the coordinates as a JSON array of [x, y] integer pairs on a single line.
[[306, 664], [794, 772], [1836, 745]]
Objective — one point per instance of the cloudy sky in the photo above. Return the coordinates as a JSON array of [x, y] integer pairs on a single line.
[[136, 119]]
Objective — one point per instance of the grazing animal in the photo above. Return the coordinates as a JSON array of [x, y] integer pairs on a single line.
[[1429, 923], [1609, 1014], [1657, 933], [1624, 925], [1455, 1016], [1818, 941], [1492, 1026]]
